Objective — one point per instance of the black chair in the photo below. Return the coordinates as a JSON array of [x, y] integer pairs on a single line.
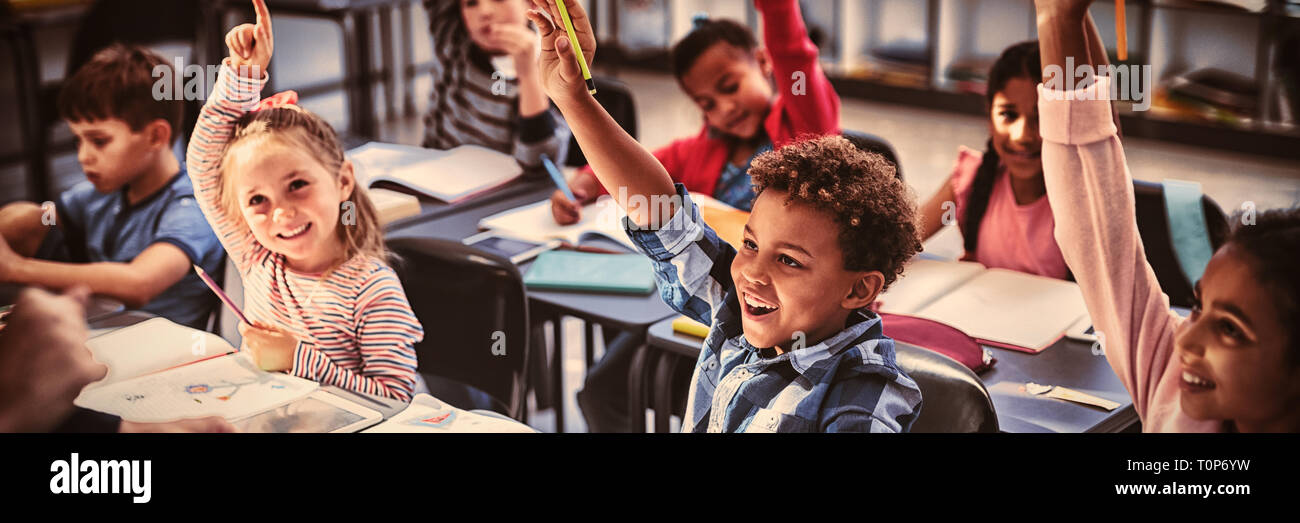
[[469, 302], [1157, 242], [875, 144], [617, 100], [953, 398]]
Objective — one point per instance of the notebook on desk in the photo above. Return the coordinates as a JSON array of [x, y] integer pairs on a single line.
[[997, 307], [591, 272], [160, 371], [452, 176], [603, 218]]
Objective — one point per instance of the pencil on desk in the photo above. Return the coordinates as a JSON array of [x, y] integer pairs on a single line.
[[1121, 32]]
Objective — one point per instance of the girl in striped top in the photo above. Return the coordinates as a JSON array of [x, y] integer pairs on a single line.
[[272, 180]]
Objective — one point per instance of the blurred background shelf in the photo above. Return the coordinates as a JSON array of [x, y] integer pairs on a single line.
[[935, 53]]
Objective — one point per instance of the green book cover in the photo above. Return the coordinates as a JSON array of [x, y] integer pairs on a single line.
[[584, 271]]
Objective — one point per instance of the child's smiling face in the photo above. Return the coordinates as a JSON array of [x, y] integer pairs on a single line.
[[731, 87], [1013, 125], [1232, 352], [790, 276], [290, 202]]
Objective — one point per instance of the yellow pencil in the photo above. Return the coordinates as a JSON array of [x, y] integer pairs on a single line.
[[573, 39]]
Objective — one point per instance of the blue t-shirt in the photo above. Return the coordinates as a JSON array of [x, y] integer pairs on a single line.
[[104, 228]]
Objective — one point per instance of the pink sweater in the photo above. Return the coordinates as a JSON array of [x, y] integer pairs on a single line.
[[1091, 191], [1012, 236]]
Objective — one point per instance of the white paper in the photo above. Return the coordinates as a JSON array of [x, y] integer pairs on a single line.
[[429, 415]]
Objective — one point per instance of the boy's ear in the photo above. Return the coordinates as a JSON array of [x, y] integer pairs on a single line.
[[866, 287], [159, 133], [347, 180]]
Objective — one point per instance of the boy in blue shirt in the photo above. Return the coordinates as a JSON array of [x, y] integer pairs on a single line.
[[132, 230], [792, 345]]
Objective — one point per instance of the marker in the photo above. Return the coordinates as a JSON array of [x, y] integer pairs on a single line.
[[220, 294], [577, 48], [557, 177]]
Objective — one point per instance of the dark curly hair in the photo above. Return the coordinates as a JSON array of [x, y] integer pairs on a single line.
[[1273, 242], [875, 211], [707, 33]]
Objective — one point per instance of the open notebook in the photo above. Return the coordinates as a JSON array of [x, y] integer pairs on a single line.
[[160, 371], [997, 307], [428, 414], [451, 176], [603, 218]]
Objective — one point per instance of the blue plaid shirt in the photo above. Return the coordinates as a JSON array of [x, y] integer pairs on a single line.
[[846, 383]]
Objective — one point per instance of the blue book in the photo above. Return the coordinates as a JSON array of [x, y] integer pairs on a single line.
[[591, 272]]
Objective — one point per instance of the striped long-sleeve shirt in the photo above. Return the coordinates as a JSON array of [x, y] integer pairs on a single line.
[[355, 327], [473, 104]]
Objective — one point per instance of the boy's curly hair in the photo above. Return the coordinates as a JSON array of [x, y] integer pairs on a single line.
[[875, 211]]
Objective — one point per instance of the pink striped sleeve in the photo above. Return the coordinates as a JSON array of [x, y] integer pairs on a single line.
[[1091, 191], [232, 96], [387, 332]]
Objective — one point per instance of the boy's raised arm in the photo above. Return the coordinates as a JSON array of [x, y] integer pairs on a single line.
[[617, 160]]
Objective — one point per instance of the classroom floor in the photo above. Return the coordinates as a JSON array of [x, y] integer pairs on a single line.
[[927, 143]]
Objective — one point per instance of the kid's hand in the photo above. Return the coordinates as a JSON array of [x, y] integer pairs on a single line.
[[560, 74], [566, 211], [515, 40], [8, 260], [272, 348], [251, 44]]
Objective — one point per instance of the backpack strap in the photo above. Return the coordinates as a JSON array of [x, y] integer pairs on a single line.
[[1187, 231]]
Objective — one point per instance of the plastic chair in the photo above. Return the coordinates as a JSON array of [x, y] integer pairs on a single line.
[[953, 398], [1153, 226], [875, 144], [617, 99], [474, 310]]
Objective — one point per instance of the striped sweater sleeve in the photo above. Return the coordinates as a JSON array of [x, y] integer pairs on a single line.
[[231, 97], [387, 331]]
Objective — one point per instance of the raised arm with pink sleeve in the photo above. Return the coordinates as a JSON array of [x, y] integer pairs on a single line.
[[1091, 191]]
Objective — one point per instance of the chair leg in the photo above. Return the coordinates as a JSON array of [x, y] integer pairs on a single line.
[[636, 389], [591, 345]]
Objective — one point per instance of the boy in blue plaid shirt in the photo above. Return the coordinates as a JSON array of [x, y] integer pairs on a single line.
[[792, 347]]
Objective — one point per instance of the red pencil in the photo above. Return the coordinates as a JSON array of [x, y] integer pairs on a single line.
[[217, 289]]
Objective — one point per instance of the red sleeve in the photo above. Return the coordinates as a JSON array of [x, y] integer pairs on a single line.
[[815, 107]]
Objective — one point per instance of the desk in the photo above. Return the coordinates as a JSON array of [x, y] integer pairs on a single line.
[[633, 314], [1067, 363]]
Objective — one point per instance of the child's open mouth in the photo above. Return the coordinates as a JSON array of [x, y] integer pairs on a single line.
[[295, 233], [757, 307], [1193, 383]]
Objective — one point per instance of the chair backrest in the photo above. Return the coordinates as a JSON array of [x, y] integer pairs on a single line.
[[875, 144], [474, 310], [617, 100], [953, 398], [1157, 242]]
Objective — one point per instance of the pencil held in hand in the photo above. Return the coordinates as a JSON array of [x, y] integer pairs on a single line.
[[1121, 31]]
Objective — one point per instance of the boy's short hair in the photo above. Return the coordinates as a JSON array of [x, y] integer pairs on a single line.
[[705, 34], [872, 207], [118, 83]]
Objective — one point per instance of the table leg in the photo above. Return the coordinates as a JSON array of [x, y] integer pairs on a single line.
[[591, 345], [557, 373]]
